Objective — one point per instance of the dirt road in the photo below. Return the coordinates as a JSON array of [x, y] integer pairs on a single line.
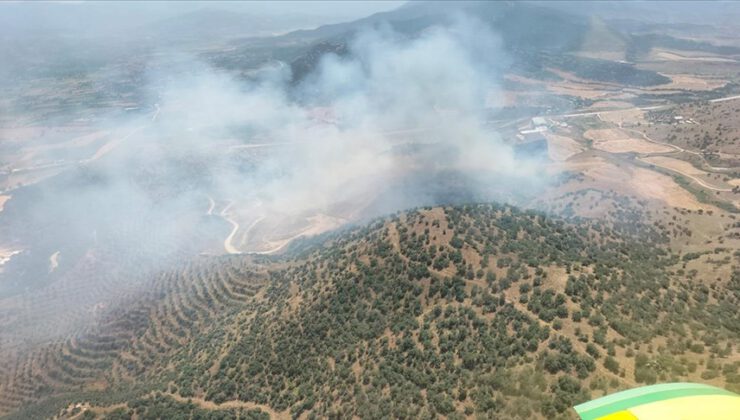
[[228, 246], [678, 171], [210, 405], [646, 108]]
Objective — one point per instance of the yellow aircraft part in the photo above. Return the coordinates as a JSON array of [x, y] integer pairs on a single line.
[[715, 407], [678, 401], [619, 415]]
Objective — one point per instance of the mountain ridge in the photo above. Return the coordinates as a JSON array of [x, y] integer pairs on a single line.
[[473, 310]]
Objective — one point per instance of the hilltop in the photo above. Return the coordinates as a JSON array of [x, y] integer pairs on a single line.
[[469, 311]]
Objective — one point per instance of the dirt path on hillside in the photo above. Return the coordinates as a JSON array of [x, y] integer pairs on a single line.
[[228, 246], [210, 405], [684, 168], [318, 224], [680, 149]]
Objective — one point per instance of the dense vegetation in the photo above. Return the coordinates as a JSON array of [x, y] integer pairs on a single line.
[[482, 311]]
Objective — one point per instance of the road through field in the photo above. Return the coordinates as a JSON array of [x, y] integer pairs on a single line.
[[698, 180], [646, 108], [678, 148]]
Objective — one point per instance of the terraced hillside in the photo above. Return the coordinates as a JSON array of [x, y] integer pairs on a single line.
[[475, 311]]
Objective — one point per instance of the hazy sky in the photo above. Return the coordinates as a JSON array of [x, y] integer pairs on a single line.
[[23, 17]]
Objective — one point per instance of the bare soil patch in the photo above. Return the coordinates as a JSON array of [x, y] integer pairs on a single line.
[[613, 140], [687, 82], [631, 145], [651, 184], [687, 169], [622, 117], [669, 55], [612, 104], [645, 183], [675, 164], [605, 134], [560, 148]]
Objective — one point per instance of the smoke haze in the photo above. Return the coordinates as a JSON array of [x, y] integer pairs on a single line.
[[220, 163], [335, 138]]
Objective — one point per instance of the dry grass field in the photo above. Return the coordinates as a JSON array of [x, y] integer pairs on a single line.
[[614, 140], [560, 148], [685, 168]]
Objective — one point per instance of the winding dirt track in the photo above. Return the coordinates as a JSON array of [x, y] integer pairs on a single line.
[[673, 146], [680, 149], [697, 180], [228, 246]]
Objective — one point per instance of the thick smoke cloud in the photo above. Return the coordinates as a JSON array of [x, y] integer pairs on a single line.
[[335, 143], [219, 165]]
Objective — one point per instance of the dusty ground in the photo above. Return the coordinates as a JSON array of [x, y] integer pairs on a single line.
[[605, 134], [612, 104], [675, 164], [270, 240], [631, 145], [690, 82], [613, 140], [689, 170], [651, 184], [560, 148], [604, 175], [671, 55], [630, 116]]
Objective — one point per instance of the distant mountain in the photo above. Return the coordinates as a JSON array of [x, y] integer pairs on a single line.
[[713, 13], [534, 36], [210, 23]]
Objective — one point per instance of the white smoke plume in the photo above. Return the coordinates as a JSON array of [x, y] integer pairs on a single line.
[[334, 143], [220, 164]]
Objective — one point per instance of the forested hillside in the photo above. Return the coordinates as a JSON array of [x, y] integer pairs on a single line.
[[475, 311]]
